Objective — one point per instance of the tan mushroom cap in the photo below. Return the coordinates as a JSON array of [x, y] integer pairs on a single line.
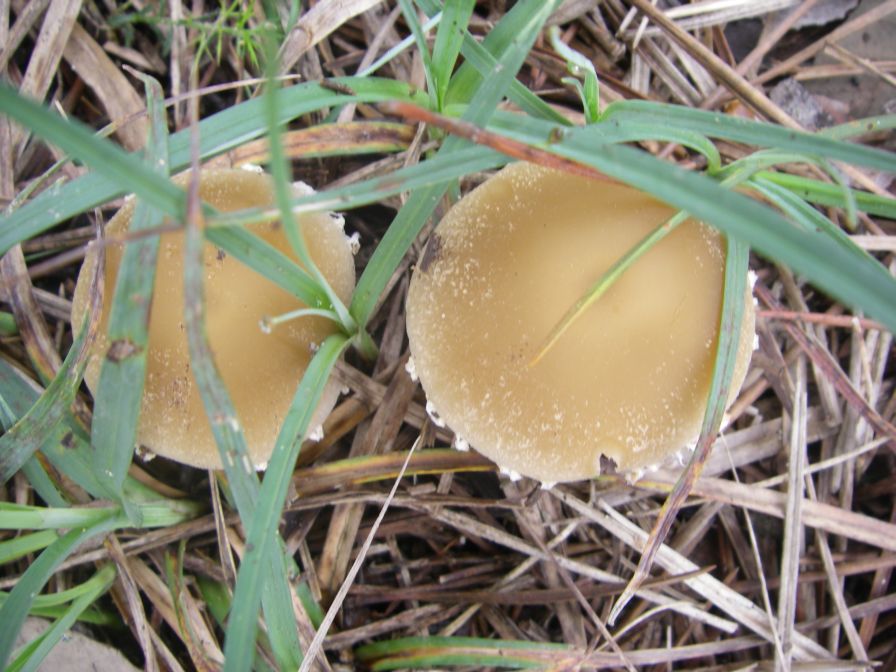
[[628, 380], [261, 371]]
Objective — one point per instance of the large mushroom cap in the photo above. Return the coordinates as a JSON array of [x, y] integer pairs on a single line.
[[261, 371], [631, 376]]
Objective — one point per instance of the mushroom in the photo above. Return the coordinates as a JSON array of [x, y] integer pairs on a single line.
[[630, 377], [260, 370]]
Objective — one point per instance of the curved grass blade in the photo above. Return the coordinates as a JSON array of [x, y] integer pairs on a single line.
[[44, 421], [116, 410], [283, 193], [410, 18], [262, 541], [441, 168], [856, 127], [859, 282], [232, 445], [421, 203], [449, 41], [21, 597], [65, 445], [219, 133], [735, 290], [30, 542], [758, 133], [30, 658], [265, 259], [827, 194], [101, 155]]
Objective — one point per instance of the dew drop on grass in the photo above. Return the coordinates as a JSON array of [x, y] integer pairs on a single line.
[[316, 434], [265, 325]]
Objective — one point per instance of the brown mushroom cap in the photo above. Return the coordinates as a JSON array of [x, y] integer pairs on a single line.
[[631, 376], [261, 371]]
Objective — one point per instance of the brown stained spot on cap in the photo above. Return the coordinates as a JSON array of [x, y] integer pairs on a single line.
[[431, 253], [220, 254], [122, 349]]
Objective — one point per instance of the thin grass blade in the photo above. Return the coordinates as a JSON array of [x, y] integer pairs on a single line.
[[262, 541], [34, 653], [449, 41], [735, 291], [116, 410], [219, 133], [21, 597], [758, 133], [826, 194], [410, 18], [44, 420], [231, 442], [429, 652]]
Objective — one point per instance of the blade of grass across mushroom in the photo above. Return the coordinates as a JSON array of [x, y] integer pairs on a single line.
[[262, 540], [117, 403], [332, 308], [859, 282], [17, 605], [420, 204], [275, 593], [31, 655], [427, 652], [735, 288], [220, 133]]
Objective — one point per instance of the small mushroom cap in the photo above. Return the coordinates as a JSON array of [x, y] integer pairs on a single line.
[[628, 380], [260, 371]]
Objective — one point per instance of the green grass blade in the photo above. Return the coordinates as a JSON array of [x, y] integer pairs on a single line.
[[65, 445], [827, 194], [45, 418], [410, 18], [283, 193], [116, 410], [480, 60], [101, 155], [421, 203], [449, 40], [861, 283], [15, 608], [29, 542], [42, 483], [851, 129], [33, 654], [266, 260], [219, 133], [758, 133], [261, 542], [441, 168], [231, 442]]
